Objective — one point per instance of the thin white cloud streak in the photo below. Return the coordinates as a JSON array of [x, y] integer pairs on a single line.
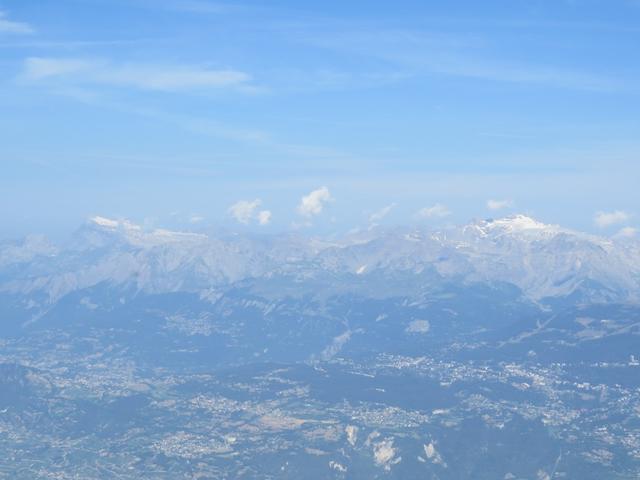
[[211, 128], [74, 44], [313, 203], [435, 211], [141, 76], [456, 55], [380, 214], [200, 125], [498, 204], [296, 80], [12, 27], [201, 7], [529, 74], [607, 219]]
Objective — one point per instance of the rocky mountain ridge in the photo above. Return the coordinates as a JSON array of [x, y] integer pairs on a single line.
[[543, 261]]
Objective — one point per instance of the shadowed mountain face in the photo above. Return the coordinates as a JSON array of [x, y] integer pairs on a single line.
[[500, 349]]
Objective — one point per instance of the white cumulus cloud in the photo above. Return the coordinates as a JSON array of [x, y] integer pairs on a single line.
[[9, 26], [264, 217], [498, 204], [606, 219], [313, 203], [244, 210], [436, 211]]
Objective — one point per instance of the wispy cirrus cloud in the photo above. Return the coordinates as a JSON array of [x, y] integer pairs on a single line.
[[11, 26], [73, 44], [79, 71], [375, 217], [456, 55], [205, 126], [200, 6]]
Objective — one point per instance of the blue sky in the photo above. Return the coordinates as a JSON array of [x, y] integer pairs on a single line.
[[184, 113]]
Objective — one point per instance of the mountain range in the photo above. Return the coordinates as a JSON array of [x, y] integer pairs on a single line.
[[543, 261]]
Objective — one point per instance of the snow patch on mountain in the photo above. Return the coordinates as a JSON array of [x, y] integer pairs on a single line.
[[105, 222]]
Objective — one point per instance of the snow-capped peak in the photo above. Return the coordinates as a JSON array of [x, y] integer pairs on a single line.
[[134, 234], [518, 222], [111, 224], [104, 222], [513, 225]]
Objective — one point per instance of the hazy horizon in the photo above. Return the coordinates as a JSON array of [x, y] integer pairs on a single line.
[[606, 226]]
